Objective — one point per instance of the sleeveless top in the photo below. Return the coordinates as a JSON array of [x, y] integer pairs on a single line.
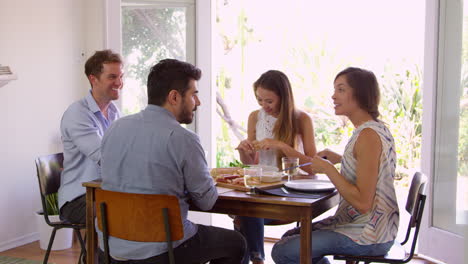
[[264, 129], [380, 224]]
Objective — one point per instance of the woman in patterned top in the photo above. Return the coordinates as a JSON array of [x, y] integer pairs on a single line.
[[366, 221], [276, 130]]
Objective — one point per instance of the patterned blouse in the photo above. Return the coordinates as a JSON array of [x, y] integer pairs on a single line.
[[380, 224]]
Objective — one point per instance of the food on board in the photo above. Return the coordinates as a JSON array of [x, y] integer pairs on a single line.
[[233, 175]]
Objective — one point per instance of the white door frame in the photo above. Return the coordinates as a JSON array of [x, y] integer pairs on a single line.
[[441, 73]]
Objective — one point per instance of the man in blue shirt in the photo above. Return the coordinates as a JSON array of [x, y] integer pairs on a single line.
[[151, 153], [82, 127]]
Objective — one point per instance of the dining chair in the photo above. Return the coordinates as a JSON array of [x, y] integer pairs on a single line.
[[415, 207], [48, 169], [138, 217]]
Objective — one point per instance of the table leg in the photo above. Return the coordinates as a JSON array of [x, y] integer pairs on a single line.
[[91, 243], [306, 239]]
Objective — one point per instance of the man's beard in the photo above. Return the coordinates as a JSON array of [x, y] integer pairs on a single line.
[[186, 116]]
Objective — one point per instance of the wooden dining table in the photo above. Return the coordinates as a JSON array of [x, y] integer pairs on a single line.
[[236, 202]]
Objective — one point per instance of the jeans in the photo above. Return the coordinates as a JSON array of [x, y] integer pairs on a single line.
[[324, 242], [74, 211], [252, 229], [214, 244]]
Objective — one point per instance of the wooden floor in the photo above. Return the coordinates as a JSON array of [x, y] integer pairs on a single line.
[[32, 251]]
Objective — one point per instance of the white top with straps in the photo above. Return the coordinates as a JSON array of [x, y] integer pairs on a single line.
[[264, 129]]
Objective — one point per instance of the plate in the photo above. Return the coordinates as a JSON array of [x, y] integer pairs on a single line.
[[310, 185]]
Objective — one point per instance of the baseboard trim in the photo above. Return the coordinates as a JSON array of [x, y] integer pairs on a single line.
[[427, 259], [26, 239]]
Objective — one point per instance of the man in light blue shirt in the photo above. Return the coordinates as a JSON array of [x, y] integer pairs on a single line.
[[82, 127], [151, 153]]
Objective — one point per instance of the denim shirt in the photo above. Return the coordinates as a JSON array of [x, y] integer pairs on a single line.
[[82, 128], [151, 153]]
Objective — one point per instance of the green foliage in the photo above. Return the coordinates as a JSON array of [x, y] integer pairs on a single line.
[[149, 35], [463, 143], [401, 109], [52, 204], [463, 130], [225, 152], [237, 163]]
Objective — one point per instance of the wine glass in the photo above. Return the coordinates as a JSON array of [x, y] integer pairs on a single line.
[[252, 178]]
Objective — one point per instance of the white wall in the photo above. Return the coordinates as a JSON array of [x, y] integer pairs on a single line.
[[45, 43]]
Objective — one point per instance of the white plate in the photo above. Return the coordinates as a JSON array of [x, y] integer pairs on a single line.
[[310, 185]]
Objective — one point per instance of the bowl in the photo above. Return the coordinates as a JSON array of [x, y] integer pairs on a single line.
[[265, 168], [271, 176]]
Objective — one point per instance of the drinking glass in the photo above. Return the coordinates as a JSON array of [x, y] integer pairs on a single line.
[[288, 162], [252, 178]]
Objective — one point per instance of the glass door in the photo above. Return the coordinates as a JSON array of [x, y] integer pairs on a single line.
[[445, 134], [144, 32]]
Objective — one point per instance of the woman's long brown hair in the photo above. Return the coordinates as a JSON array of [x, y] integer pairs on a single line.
[[286, 127]]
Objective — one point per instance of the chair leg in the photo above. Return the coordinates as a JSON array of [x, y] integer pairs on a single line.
[[49, 247], [82, 244]]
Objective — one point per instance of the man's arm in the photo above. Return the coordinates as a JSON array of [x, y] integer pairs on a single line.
[[198, 182], [82, 131]]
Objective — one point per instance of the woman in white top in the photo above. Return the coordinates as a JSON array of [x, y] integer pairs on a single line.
[[274, 131], [366, 221]]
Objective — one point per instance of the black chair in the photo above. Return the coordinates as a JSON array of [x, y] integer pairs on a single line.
[[128, 216], [415, 207], [48, 174]]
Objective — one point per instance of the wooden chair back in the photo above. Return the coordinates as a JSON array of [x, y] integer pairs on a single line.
[[139, 217]]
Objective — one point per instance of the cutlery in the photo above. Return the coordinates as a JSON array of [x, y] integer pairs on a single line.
[[297, 166]]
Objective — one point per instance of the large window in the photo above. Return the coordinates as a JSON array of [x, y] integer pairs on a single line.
[[311, 41], [445, 135], [151, 31], [451, 145], [462, 187]]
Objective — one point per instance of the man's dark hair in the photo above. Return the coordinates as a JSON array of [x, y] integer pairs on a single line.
[[95, 63], [167, 75]]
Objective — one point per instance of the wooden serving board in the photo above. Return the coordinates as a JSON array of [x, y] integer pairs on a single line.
[[264, 185]]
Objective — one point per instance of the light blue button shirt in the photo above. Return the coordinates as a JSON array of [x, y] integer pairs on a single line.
[[150, 152], [82, 128]]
